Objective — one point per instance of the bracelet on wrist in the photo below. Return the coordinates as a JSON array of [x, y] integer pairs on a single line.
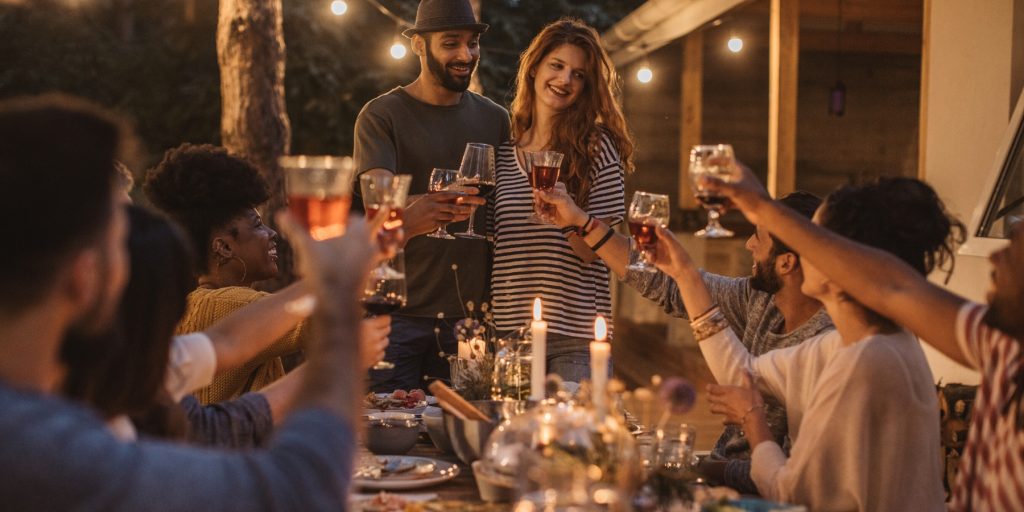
[[709, 324], [600, 243], [587, 226]]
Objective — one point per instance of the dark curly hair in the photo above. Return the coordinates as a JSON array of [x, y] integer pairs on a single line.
[[903, 216], [203, 187]]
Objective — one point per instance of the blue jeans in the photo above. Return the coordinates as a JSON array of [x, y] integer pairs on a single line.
[[569, 358], [414, 348]]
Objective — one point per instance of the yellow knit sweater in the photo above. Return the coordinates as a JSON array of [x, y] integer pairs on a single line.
[[206, 306]]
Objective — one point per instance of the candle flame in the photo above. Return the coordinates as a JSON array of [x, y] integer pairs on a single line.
[[536, 309], [600, 329]]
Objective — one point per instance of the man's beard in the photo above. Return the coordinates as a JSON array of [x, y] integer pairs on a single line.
[[447, 80], [765, 279]]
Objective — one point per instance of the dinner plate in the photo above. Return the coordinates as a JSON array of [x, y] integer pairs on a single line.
[[430, 400], [442, 472]]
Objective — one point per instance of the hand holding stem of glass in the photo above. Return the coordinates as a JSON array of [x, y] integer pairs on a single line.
[[543, 168], [319, 192], [646, 213]]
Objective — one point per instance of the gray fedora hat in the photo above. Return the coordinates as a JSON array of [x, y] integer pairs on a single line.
[[438, 15]]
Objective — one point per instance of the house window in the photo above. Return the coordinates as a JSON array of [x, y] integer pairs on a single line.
[[1006, 205]]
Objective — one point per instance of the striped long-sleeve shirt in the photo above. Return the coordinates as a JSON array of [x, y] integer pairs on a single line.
[[536, 260]]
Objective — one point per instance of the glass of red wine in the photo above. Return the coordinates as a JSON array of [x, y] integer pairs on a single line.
[[386, 293], [542, 167], [386, 190], [443, 180], [477, 170], [716, 161], [646, 212], [319, 192]]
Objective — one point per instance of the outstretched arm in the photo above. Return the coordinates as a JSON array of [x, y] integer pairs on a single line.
[[876, 278]]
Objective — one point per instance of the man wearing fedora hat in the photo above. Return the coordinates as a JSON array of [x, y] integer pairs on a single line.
[[413, 129]]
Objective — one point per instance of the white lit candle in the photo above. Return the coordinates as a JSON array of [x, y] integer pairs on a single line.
[[464, 350], [477, 348], [600, 353], [538, 368]]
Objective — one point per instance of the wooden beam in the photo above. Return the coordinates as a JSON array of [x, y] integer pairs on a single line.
[[861, 42], [692, 91], [784, 58], [922, 115]]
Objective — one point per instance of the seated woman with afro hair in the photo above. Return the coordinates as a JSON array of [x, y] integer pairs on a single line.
[[214, 196]]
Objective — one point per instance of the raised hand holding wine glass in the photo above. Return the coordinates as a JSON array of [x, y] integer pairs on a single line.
[[714, 161], [543, 168], [477, 170], [646, 213]]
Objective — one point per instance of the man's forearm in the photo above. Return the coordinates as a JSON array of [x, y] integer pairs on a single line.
[[333, 377]]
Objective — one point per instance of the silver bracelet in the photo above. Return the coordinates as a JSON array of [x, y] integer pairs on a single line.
[[709, 324]]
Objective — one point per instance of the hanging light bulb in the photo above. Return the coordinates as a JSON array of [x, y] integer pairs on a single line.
[[644, 75], [339, 7], [398, 50], [735, 44]]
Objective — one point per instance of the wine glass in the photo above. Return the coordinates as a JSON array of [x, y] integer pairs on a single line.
[[715, 161], [477, 170], [386, 190], [542, 168], [646, 212], [319, 192], [386, 293], [442, 180]]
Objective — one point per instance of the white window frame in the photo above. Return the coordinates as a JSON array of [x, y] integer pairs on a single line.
[[984, 246]]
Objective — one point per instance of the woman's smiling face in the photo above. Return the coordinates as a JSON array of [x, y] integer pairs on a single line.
[[255, 244], [560, 77]]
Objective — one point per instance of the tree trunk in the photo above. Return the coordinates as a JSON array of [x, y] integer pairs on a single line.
[[254, 122], [474, 81]]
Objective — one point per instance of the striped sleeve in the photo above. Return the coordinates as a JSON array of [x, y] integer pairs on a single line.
[[606, 200], [971, 333]]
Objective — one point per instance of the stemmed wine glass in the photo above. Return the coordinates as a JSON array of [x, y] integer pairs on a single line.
[[542, 169], [386, 293], [386, 191], [715, 161], [477, 170], [443, 180], [646, 212]]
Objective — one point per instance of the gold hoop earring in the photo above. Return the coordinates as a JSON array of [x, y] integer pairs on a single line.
[[245, 269]]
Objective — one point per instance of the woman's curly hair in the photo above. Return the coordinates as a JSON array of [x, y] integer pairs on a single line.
[[203, 187], [903, 216]]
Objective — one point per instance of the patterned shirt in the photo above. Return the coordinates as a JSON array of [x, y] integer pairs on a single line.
[[536, 260], [991, 475]]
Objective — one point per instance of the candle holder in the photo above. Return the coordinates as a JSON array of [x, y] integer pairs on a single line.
[[511, 378]]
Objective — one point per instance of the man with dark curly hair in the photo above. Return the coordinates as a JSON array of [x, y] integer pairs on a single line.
[[214, 196], [65, 270], [412, 130]]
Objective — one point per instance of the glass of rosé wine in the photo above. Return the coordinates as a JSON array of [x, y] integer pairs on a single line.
[[319, 192]]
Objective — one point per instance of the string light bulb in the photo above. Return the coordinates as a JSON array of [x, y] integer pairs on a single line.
[[735, 44], [339, 7], [644, 75], [398, 50]]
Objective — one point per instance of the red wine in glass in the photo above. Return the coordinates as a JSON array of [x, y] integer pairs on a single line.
[[324, 217], [646, 236], [544, 177], [379, 306]]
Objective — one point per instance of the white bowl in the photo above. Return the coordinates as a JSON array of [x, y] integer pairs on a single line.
[[433, 418]]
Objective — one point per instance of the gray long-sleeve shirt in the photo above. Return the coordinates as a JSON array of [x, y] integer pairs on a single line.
[[758, 323], [245, 422], [55, 455]]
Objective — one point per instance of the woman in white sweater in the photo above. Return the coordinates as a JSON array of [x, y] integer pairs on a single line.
[[860, 401]]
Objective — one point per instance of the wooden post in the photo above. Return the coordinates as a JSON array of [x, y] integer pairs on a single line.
[[254, 121], [692, 91], [782, 91], [922, 115]]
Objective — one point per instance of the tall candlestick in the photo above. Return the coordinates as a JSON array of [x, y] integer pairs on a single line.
[[600, 353], [538, 368]]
